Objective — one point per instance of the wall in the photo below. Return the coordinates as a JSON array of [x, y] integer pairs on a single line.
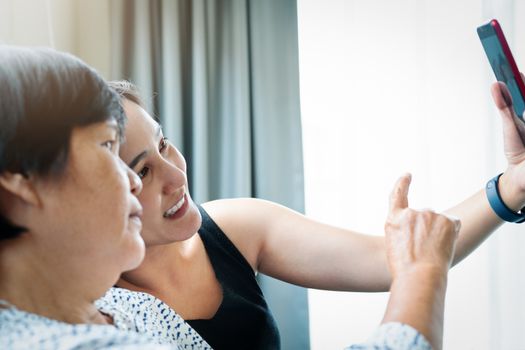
[[75, 26], [395, 86]]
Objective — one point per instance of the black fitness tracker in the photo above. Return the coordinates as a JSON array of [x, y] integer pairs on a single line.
[[504, 212]]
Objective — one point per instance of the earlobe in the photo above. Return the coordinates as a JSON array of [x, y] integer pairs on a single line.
[[19, 186]]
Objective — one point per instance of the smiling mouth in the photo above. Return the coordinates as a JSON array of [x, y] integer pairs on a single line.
[[173, 210]]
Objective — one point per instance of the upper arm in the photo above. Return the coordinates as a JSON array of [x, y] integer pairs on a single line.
[[287, 245]]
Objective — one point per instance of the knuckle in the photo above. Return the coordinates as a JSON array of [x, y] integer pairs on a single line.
[[428, 215], [410, 214]]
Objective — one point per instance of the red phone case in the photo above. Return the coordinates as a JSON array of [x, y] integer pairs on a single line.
[[506, 49]]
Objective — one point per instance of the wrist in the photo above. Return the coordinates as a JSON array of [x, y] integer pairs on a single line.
[[497, 203], [423, 272], [511, 195]]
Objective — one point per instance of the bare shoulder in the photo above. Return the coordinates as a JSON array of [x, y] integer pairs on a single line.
[[245, 221], [230, 209], [256, 215]]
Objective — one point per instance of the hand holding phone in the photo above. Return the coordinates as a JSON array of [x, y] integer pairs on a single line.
[[502, 63]]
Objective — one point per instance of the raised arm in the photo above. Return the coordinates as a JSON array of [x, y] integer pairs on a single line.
[[477, 217], [287, 245]]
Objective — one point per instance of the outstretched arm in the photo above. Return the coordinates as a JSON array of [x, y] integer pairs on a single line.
[[477, 217], [287, 245]]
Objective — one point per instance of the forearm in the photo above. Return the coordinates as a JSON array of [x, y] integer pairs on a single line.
[[417, 299], [478, 221], [325, 257]]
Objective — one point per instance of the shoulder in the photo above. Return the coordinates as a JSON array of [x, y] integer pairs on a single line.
[[246, 213], [22, 330], [225, 206], [246, 222], [146, 314]]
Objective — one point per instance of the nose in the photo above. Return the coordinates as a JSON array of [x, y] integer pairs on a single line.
[[134, 182], [174, 177]]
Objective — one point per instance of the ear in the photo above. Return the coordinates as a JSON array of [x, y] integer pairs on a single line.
[[19, 186]]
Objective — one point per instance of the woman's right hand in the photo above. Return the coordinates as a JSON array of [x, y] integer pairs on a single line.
[[419, 247], [417, 239]]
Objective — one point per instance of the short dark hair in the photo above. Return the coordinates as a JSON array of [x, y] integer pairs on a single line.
[[44, 95]]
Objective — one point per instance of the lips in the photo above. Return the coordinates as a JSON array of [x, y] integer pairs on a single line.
[[136, 213], [171, 212]]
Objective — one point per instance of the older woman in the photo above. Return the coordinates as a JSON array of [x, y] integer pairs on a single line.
[[69, 217]]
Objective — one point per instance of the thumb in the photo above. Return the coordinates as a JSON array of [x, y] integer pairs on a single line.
[[511, 135], [399, 195], [501, 96]]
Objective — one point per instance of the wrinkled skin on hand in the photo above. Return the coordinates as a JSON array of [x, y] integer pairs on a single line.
[[417, 238]]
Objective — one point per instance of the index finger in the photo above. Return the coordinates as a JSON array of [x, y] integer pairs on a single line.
[[399, 195]]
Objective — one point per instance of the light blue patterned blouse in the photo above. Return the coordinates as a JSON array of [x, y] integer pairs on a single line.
[[394, 336], [142, 321]]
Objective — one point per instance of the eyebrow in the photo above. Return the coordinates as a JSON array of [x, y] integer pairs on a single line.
[[112, 124], [137, 159], [143, 154]]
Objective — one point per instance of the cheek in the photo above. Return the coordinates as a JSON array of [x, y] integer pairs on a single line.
[[151, 204], [117, 179], [151, 215], [115, 189]]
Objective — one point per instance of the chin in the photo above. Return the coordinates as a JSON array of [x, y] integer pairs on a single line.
[[194, 219], [190, 223], [135, 254]]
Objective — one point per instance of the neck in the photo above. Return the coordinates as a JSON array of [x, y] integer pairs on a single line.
[[164, 266], [37, 283]]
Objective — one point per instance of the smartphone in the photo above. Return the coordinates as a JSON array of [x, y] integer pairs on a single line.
[[502, 62]]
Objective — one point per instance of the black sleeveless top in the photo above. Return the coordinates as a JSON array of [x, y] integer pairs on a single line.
[[243, 320]]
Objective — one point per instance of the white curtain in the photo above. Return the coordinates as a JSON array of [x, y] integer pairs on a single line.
[[394, 86]]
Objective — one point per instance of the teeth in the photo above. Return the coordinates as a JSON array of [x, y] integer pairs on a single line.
[[176, 207]]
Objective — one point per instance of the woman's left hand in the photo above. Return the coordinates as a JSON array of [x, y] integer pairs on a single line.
[[512, 183]]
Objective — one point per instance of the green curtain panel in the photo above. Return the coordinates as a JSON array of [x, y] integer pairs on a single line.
[[223, 78]]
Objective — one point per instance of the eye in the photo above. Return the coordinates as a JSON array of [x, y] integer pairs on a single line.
[[109, 144], [143, 172]]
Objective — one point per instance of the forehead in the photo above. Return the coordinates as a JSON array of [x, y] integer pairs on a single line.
[[139, 121], [93, 131], [141, 131]]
